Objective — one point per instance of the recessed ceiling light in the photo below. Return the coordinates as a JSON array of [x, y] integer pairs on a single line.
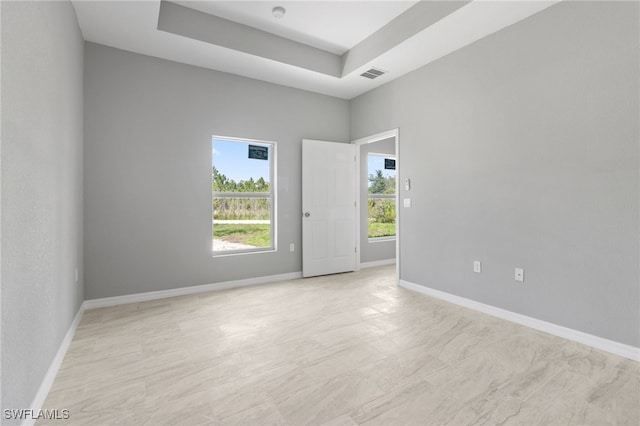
[[278, 11]]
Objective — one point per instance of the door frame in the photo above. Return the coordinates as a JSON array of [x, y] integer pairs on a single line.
[[393, 133]]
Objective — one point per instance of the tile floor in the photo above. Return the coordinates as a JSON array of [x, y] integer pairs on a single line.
[[348, 349]]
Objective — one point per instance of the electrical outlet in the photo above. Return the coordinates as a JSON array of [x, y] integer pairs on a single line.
[[477, 266], [519, 275], [292, 247]]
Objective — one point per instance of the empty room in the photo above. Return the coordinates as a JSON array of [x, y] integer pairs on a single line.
[[320, 212]]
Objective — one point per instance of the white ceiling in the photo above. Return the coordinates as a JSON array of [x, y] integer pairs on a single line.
[[333, 26]]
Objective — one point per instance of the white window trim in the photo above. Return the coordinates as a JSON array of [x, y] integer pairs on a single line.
[[271, 194]]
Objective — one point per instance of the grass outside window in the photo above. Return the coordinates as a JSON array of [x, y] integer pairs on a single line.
[[255, 235]]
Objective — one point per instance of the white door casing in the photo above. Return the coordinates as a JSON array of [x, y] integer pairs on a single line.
[[394, 133], [329, 207]]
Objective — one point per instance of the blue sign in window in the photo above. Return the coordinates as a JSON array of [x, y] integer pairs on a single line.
[[258, 152], [389, 164]]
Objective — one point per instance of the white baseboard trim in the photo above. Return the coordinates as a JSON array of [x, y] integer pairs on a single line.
[[377, 263], [50, 376], [164, 294], [606, 345]]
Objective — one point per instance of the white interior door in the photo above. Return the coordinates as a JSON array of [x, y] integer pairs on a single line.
[[329, 210]]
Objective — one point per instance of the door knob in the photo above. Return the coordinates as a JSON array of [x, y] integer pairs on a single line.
[[307, 214]]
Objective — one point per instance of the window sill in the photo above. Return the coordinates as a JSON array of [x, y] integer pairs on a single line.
[[381, 239], [227, 253]]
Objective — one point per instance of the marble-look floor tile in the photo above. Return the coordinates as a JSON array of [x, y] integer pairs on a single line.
[[124, 417], [343, 350], [381, 407], [320, 403], [107, 401], [265, 414], [425, 407], [343, 361], [343, 420], [403, 368]]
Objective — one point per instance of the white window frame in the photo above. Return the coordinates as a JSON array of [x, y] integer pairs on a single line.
[[381, 197], [271, 195]]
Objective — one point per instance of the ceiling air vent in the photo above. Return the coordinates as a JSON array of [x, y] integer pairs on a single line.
[[373, 73]]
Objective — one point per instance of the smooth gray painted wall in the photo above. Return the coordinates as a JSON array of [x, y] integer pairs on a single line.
[[378, 250], [148, 127], [42, 137], [523, 151]]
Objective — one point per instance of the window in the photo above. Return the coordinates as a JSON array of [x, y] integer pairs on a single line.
[[243, 188], [382, 197]]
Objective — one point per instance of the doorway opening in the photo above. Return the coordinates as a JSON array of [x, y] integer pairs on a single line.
[[378, 240]]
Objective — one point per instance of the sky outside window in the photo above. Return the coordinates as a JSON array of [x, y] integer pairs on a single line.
[[376, 162], [231, 158]]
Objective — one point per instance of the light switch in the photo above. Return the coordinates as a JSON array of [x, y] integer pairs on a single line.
[[519, 275], [407, 202], [477, 266]]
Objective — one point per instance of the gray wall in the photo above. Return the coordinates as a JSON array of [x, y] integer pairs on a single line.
[[42, 137], [523, 151], [148, 127], [377, 250]]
